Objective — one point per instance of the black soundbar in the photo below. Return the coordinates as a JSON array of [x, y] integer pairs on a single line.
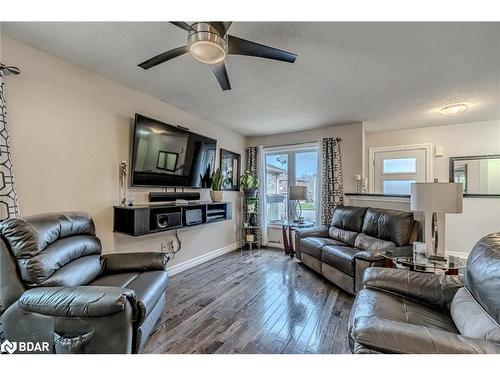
[[171, 196]]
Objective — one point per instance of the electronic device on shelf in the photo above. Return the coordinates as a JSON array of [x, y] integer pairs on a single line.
[[168, 220], [181, 202], [193, 216]]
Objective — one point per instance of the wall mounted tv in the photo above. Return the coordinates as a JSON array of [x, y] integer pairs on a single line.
[[164, 155]]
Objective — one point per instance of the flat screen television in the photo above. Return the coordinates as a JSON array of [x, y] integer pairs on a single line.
[[164, 155]]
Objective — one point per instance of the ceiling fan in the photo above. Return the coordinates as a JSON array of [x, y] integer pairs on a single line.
[[209, 43]]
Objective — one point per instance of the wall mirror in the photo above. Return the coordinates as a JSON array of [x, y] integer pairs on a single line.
[[230, 169], [480, 175]]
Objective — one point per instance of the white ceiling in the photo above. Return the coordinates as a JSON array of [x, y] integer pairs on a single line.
[[387, 75]]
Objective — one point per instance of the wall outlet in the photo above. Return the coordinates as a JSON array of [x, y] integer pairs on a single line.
[[167, 247]]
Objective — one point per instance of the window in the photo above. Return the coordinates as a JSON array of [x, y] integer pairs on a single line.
[[290, 167], [394, 169]]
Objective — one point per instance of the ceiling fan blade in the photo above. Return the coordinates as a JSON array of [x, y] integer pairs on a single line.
[[221, 27], [162, 57], [183, 25], [238, 46], [221, 75]]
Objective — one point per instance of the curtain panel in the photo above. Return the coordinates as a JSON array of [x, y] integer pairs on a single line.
[[332, 191], [8, 197]]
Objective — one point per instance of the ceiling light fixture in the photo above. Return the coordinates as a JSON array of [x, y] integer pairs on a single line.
[[205, 45], [453, 109]]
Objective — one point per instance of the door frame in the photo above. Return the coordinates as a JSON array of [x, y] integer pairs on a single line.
[[427, 147]]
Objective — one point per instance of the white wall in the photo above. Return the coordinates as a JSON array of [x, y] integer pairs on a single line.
[[480, 215], [69, 131]]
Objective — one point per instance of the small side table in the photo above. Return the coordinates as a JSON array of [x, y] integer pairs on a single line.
[[288, 227], [451, 266]]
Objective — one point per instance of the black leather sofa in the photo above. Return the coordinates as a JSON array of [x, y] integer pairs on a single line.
[[56, 287], [401, 311], [354, 241]]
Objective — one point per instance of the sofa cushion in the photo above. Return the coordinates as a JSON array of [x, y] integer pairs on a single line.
[[51, 248], [148, 286], [340, 257], [378, 304], [312, 245], [343, 235], [365, 242], [471, 319], [389, 225], [348, 218]]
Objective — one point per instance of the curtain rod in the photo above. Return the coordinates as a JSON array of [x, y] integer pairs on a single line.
[[10, 69], [338, 139]]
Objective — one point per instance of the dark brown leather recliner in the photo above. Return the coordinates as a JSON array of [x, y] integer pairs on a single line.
[[401, 311], [354, 241], [56, 287]]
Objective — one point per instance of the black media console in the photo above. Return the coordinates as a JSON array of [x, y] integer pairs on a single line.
[[153, 218]]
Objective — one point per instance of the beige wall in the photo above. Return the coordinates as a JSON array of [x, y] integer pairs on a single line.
[[69, 131], [480, 215], [351, 146]]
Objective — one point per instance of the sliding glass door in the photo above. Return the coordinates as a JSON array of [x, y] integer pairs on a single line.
[[296, 166]]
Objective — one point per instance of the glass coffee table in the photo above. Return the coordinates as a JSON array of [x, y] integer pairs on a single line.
[[451, 266]]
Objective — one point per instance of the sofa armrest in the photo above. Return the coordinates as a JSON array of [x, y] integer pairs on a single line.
[[376, 254], [436, 290], [388, 336], [130, 262], [316, 231], [79, 301]]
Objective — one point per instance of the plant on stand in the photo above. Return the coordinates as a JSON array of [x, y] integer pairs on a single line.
[[216, 194], [249, 183]]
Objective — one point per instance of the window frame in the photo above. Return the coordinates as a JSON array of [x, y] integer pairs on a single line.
[[291, 151]]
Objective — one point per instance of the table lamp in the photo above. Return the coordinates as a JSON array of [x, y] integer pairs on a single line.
[[297, 194], [435, 200]]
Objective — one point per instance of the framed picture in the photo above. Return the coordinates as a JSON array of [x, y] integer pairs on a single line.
[[230, 169], [167, 161]]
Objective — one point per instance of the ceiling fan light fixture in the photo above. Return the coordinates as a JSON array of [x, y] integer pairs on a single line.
[[453, 109], [207, 52], [206, 45]]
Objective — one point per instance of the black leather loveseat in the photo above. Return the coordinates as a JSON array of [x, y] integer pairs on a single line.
[[56, 289], [354, 241]]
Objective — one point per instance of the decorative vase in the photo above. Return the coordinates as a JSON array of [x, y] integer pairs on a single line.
[[216, 195], [252, 193]]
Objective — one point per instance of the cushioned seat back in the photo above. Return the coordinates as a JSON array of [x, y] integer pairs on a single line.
[[346, 223], [54, 249], [482, 276], [388, 225]]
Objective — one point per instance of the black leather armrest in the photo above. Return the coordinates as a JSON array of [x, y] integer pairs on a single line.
[[376, 255], [79, 301], [436, 290], [130, 262], [316, 231], [396, 337]]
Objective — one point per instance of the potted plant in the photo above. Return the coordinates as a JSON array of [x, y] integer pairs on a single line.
[[249, 184], [216, 194]]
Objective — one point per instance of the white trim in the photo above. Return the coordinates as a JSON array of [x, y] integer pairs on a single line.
[[294, 147], [428, 160], [175, 269]]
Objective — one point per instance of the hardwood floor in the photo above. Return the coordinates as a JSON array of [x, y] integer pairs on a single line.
[[257, 301]]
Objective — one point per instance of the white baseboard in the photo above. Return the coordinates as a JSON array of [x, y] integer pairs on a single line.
[[202, 259]]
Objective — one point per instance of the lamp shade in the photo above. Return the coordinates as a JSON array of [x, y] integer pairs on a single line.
[[439, 197], [298, 193]]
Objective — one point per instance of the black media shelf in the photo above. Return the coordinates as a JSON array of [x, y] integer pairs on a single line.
[[146, 219]]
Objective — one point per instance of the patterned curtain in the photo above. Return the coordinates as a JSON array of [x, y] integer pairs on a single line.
[[8, 197], [332, 194], [254, 165]]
